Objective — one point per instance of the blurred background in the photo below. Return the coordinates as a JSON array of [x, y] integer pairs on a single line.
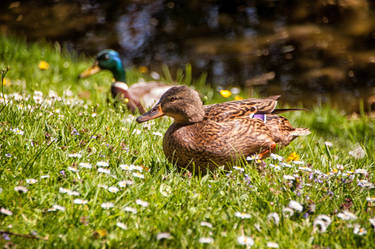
[[311, 52]]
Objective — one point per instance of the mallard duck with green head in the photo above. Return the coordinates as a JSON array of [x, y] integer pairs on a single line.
[[203, 137], [137, 96]]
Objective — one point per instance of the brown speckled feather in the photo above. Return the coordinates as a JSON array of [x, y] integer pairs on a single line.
[[219, 134], [240, 108]]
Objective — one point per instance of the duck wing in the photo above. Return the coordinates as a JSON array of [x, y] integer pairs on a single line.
[[241, 108]]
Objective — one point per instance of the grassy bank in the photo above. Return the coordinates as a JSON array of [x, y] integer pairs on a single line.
[[62, 144]]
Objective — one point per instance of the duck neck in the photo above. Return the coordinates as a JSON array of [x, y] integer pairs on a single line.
[[189, 115], [119, 72]]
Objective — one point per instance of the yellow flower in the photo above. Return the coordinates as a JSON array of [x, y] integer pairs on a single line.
[[6, 81], [225, 93], [100, 233], [293, 157], [143, 69], [43, 65], [237, 97]]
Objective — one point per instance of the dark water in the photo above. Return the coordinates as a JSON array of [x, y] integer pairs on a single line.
[[311, 52]]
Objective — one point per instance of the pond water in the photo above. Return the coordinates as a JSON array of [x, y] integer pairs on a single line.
[[311, 52]]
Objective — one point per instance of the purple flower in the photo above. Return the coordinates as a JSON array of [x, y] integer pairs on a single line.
[[62, 172], [75, 132], [8, 155], [306, 215], [6, 236]]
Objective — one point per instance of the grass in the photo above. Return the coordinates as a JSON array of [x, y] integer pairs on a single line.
[[81, 121]]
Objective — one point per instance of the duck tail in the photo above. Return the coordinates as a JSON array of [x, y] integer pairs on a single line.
[[276, 111], [300, 132], [274, 97]]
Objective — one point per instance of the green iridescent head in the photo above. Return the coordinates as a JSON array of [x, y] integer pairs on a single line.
[[107, 59]]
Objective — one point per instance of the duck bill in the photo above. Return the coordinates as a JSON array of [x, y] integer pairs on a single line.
[[90, 71], [155, 112]]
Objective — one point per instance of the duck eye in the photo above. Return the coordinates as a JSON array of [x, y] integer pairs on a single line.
[[173, 99], [106, 57]]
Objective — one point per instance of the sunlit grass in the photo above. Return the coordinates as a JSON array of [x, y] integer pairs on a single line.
[[47, 137]]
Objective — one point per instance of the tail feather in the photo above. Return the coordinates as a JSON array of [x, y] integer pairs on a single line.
[[300, 132], [274, 97]]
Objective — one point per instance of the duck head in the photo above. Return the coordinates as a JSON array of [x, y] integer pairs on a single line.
[[181, 103], [107, 59]]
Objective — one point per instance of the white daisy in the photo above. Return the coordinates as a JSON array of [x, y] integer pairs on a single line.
[[136, 132], [287, 212], [346, 215], [21, 189], [165, 190], [102, 164], [295, 205], [361, 171], [242, 215], [75, 155], [73, 169], [156, 133], [238, 168], [366, 184], [298, 162], [138, 168], [155, 75], [102, 186], [276, 167], [126, 167], [289, 177], [68, 191], [358, 152], [276, 157], [321, 223], [206, 224], [358, 230], [161, 236], [113, 189], [306, 169], [272, 245], [56, 208], [123, 184], [245, 240], [372, 222], [274, 217], [286, 165], [6, 211], [17, 131], [206, 240], [80, 201], [328, 143], [31, 181], [142, 203], [104, 171], [121, 225], [138, 175], [130, 210], [107, 205], [85, 165]]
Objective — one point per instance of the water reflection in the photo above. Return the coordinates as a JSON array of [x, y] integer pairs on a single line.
[[310, 52]]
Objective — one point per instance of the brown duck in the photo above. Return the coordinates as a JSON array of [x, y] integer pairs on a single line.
[[219, 134]]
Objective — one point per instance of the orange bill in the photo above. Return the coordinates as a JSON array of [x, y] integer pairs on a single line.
[[90, 71], [155, 112]]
